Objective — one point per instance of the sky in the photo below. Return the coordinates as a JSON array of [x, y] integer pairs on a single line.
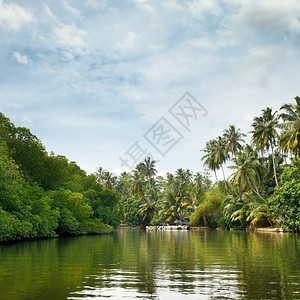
[[107, 83]]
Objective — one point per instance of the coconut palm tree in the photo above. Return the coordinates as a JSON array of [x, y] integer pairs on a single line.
[[258, 142], [209, 158], [100, 174], [147, 209], [109, 180], [149, 167], [184, 176], [290, 138], [248, 173], [265, 133], [234, 138], [221, 154], [137, 186]]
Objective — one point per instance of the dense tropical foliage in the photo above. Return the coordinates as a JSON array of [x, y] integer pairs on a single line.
[[45, 195], [262, 189]]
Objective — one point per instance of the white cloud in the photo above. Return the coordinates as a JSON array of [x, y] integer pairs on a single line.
[[234, 56], [75, 12], [277, 16], [129, 40], [259, 64], [198, 8], [21, 59], [145, 5], [172, 4], [69, 36], [96, 4], [202, 7], [68, 55], [220, 41], [65, 36], [13, 16]]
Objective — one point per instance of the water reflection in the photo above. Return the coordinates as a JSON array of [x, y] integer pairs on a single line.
[[134, 264]]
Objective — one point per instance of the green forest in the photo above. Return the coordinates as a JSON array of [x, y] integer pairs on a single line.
[[46, 195]]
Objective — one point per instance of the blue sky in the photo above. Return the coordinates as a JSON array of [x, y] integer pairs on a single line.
[[91, 78]]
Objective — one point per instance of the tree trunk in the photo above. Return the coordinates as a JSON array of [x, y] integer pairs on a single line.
[[255, 190], [224, 177], [217, 181], [262, 156], [273, 158]]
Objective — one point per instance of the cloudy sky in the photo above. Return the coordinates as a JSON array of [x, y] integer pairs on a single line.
[[96, 80]]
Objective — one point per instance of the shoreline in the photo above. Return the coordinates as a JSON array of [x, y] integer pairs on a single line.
[[205, 228]]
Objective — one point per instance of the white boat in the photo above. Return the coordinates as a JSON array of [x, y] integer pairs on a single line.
[[168, 227]]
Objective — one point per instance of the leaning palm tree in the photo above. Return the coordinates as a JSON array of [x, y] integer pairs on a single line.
[[290, 138], [147, 209], [265, 133], [248, 173], [234, 138]]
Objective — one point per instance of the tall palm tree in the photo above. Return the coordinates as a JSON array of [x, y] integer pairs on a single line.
[[265, 133], [108, 180], [221, 154], [290, 138], [137, 185], [184, 176], [234, 138], [149, 170], [149, 167], [248, 173], [209, 158], [259, 143], [100, 174]]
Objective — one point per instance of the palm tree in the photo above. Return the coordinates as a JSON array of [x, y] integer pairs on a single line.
[[209, 158], [245, 208], [290, 138], [265, 133], [149, 170], [100, 174], [221, 154], [147, 209], [233, 138], [108, 180], [137, 185], [257, 124], [149, 166], [184, 176], [202, 181], [248, 173]]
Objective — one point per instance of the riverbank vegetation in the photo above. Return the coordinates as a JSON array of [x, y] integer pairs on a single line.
[[45, 195], [262, 190]]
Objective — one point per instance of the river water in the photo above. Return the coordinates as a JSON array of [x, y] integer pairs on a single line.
[[135, 264]]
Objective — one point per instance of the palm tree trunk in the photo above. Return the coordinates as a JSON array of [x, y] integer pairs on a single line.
[[255, 190], [217, 181], [273, 158], [224, 177], [262, 156]]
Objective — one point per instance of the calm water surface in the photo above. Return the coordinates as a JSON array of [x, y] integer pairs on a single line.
[[132, 264]]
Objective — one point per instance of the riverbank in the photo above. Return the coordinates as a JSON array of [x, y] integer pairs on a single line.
[[269, 229], [205, 228]]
